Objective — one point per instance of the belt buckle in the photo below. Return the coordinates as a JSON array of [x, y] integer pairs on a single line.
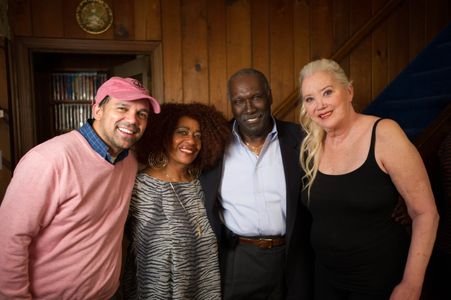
[[270, 242]]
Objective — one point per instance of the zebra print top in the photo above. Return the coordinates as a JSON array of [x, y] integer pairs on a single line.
[[165, 257]]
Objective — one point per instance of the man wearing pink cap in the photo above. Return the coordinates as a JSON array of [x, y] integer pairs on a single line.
[[62, 217]]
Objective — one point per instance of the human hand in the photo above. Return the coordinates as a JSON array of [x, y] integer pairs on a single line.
[[400, 214], [405, 291]]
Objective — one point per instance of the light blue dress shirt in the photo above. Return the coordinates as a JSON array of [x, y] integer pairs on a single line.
[[253, 188]]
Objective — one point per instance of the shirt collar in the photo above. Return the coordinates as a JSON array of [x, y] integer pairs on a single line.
[[98, 145], [271, 135]]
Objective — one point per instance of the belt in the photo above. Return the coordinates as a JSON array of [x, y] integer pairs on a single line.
[[265, 243]]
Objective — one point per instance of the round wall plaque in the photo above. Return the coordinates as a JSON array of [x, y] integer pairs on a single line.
[[94, 16]]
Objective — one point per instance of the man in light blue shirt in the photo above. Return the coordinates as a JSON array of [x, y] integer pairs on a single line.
[[252, 200]]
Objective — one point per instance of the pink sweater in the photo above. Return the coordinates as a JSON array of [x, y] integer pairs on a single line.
[[61, 222]]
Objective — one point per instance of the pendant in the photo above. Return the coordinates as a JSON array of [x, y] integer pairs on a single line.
[[198, 231]]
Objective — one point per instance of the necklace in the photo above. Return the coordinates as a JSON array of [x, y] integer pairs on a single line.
[[198, 229], [255, 149]]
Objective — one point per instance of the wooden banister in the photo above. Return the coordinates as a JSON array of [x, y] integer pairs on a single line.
[[292, 100]]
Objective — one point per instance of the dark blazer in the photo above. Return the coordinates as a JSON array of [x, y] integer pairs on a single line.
[[299, 255]]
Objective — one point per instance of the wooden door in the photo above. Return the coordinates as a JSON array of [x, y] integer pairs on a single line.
[[5, 142]]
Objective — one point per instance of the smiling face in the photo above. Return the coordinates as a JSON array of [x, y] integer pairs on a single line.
[[120, 124], [251, 106], [186, 142], [326, 100]]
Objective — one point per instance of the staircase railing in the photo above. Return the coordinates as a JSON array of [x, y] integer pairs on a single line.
[[438, 129], [292, 100]]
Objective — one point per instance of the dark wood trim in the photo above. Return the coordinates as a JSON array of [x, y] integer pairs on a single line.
[[157, 88], [291, 101], [366, 29], [22, 85], [89, 46], [6, 164]]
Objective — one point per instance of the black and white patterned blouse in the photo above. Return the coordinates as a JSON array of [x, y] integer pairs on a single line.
[[173, 251]]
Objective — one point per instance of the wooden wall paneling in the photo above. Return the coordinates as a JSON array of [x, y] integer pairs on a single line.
[[47, 18], [217, 54], [172, 50], [157, 73], [341, 28], [147, 20], [360, 58], [437, 17], [417, 27], [398, 39], [301, 35], [124, 20], [238, 35], [70, 24], [260, 24], [321, 25], [282, 55], [379, 50], [239, 49], [194, 51], [19, 14]]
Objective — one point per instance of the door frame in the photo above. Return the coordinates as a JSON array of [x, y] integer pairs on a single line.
[[22, 85]]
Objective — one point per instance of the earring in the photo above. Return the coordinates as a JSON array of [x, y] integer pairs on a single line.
[[157, 160]]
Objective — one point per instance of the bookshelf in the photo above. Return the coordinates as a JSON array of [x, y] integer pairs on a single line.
[[72, 97], [65, 85]]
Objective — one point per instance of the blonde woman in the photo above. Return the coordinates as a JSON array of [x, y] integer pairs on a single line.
[[355, 165]]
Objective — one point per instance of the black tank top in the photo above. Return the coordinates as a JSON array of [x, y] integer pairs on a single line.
[[353, 234]]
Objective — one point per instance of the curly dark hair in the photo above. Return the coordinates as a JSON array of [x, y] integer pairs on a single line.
[[216, 132]]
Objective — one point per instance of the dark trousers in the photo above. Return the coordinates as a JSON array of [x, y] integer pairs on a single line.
[[250, 272]]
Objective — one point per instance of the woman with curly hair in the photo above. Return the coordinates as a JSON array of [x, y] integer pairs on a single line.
[[173, 251]]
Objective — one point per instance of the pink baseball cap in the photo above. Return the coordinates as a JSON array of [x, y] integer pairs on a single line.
[[127, 89]]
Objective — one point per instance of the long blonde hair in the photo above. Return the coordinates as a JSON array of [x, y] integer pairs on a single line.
[[312, 144]]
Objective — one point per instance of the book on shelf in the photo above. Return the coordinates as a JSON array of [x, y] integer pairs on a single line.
[[73, 94]]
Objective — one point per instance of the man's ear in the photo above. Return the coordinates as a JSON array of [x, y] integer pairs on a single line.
[[270, 97], [97, 112]]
